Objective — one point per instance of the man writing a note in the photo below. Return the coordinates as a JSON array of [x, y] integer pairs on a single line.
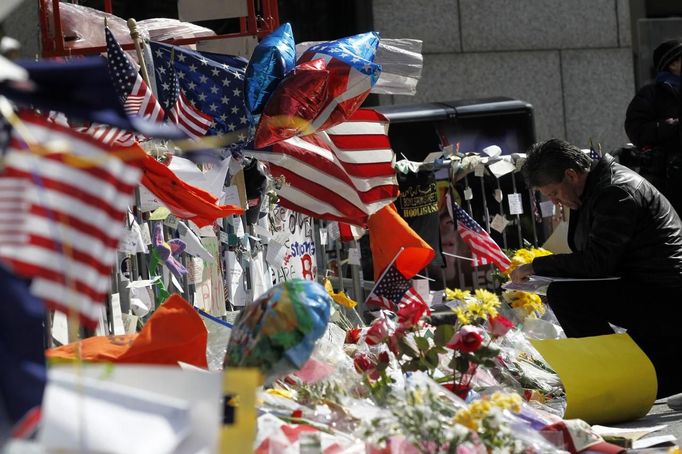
[[619, 226]]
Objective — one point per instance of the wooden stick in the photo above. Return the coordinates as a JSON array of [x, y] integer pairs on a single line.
[[135, 35]]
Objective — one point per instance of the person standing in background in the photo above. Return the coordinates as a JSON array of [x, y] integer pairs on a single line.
[[652, 123]]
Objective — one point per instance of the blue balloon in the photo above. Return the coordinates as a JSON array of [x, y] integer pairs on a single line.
[[272, 59]]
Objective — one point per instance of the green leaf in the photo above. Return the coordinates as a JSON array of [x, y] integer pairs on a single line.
[[406, 348], [432, 358], [422, 343], [443, 334], [461, 364], [487, 352]]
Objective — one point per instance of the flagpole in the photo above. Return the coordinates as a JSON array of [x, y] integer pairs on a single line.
[[135, 35]]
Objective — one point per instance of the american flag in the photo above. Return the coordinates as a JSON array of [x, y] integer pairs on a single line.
[[343, 174], [62, 213], [393, 290], [212, 83], [180, 111], [352, 74], [109, 135], [134, 93], [484, 250]]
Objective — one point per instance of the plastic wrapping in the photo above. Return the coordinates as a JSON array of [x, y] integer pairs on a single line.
[[401, 63], [277, 332], [271, 60], [84, 27]]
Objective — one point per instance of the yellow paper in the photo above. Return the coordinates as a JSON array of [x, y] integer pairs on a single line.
[[159, 214], [607, 379], [558, 240], [240, 386]]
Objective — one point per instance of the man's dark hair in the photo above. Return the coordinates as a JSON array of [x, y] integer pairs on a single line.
[[547, 162]]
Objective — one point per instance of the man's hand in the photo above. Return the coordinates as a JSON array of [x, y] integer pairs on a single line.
[[522, 273]]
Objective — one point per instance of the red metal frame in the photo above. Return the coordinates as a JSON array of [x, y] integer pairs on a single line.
[[52, 36]]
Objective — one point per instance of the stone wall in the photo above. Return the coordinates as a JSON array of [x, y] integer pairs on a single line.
[[571, 60]]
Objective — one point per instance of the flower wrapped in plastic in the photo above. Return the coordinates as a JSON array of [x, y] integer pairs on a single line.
[[277, 332]]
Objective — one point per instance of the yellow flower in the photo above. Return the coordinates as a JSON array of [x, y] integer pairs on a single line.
[[482, 305], [507, 401], [465, 418], [457, 294], [462, 316], [528, 303], [340, 297], [523, 256]]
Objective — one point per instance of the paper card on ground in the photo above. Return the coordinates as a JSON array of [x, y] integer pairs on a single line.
[[354, 256], [632, 433], [499, 223], [501, 168], [607, 379], [654, 441], [515, 203]]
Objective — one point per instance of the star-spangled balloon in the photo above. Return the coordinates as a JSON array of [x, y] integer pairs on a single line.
[[271, 60], [294, 104], [352, 74]]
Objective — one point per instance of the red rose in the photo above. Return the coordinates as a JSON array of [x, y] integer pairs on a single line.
[[499, 325], [459, 389], [377, 332], [353, 336], [362, 362], [467, 340], [409, 314], [384, 358]]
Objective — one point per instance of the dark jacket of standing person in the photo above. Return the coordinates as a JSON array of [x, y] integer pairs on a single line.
[[652, 123]]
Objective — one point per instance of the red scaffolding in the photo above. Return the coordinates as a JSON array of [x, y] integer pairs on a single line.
[[262, 19]]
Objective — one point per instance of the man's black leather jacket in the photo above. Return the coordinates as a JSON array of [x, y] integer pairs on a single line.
[[624, 227]]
